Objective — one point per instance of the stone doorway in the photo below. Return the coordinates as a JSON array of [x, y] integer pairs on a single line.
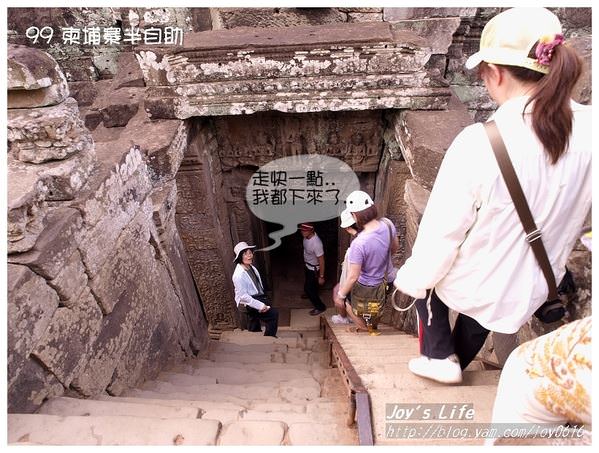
[[222, 155], [283, 267]]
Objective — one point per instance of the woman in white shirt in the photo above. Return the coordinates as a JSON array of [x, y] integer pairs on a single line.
[[249, 292], [470, 254]]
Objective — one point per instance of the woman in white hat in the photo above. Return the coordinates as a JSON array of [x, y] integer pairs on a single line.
[[249, 291], [470, 254], [369, 257]]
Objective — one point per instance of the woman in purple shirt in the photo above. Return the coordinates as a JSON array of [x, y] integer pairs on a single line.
[[369, 260]]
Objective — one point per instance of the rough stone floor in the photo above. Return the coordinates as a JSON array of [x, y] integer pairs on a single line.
[[248, 390]]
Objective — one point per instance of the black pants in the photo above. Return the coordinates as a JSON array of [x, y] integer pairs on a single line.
[[311, 288], [269, 318], [437, 341]]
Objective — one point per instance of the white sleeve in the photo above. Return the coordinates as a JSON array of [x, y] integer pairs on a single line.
[[318, 248], [449, 214], [242, 295]]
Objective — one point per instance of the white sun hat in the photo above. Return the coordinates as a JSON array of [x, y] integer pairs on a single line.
[[347, 219], [509, 37], [240, 247], [358, 201]]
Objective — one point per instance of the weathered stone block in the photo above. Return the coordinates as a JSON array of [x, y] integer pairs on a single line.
[[84, 93], [55, 245], [81, 325], [62, 179], [584, 88], [111, 208], [364, 17], [31, 305], [337, 67], [70, 281], [128, 72], [34, 79], [164, 200], [118, 115], [438, 32], [416, 198], [32, 387], [115, 331], [92, 119], [426, 136], [396, 14], [133, 344], [115, 275], [26, 210], [267, 17], [49, 133]]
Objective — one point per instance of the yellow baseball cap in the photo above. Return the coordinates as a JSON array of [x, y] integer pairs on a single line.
[[508, 38]]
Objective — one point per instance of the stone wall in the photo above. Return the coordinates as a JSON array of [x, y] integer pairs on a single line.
[[100, 295]]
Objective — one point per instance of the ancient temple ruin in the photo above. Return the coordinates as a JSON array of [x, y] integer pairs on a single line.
[[127, 168]]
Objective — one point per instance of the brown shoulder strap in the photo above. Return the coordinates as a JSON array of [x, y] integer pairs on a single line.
[[533, 235]]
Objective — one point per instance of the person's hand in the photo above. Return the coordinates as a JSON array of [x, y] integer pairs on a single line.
[[321, 281], [265, 309]]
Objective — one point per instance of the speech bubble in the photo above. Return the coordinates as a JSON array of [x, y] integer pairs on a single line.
[[301, 188]]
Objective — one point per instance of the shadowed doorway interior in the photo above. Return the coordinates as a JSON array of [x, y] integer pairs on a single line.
[[286, 264]]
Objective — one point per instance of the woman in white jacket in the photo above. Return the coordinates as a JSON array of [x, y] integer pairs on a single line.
[[470, 254], [249, 292]]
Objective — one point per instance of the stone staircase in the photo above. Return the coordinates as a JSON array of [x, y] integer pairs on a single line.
[[381, 364], [247, 390]]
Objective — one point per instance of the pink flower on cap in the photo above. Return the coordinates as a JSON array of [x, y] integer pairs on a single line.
[[544, 50]]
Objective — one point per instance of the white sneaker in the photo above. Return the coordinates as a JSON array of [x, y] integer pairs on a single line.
[[338, 319], [446, 371]]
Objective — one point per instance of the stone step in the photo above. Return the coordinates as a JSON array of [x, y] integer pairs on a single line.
[[215, 398], [243, 337], [297, 357], [375, 352], [301, 320], [209, 391], [79, 407], [320, 434], [241, 357], [226, 376], [201, 405], [223, 415], [284, 416], [181, 379], [338, 406], [221, 346], [110, 430], [406, 380], [362, 363], [202, 363], [299, 390], [380, 342], [294, 390], [252, 432]]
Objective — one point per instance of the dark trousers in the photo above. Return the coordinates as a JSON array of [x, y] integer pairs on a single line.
[[269, 318], [438, 341], [311, 288]]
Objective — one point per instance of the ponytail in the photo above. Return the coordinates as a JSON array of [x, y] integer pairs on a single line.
[[552, 115]]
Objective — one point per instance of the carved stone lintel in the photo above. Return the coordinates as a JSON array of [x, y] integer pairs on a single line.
[[359, 66]]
